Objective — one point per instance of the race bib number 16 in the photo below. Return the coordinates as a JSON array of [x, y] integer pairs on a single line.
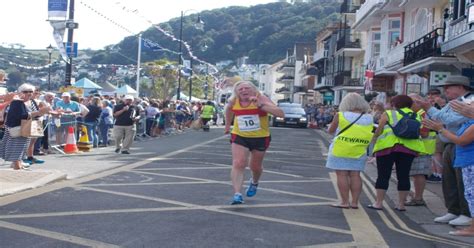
[[248, 123]]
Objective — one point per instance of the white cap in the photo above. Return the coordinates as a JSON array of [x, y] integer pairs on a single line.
[[66, 94], [128, 97]]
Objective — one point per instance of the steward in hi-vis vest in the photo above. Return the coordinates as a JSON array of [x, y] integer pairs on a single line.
[[388, 139], [430, 141], [353, 142]]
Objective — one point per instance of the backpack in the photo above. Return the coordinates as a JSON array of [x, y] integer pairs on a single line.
[[408, 127]]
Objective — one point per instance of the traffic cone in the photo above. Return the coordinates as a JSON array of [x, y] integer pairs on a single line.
[[84, 145], [70, 142]]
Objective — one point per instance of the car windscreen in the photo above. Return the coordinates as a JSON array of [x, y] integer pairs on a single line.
[[293, 110]]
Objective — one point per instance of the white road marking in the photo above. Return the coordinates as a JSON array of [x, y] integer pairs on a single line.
[[362, 228], [55, 235]]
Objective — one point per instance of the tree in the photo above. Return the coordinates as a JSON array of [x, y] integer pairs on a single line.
[[83, 75], [163, 77], [15, 78]]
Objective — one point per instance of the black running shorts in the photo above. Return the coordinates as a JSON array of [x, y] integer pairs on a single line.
[[259, 144]]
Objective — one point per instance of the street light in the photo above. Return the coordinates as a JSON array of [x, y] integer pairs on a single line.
[[199, 25], [50, 51]]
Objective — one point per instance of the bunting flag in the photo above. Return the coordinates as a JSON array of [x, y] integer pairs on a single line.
[[150, 45], [58, 34]]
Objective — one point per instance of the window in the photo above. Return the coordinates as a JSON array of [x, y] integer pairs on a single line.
[[459, 9], [375, 44], [394, 32]]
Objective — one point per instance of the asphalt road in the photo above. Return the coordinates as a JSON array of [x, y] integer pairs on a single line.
[[175, 192]]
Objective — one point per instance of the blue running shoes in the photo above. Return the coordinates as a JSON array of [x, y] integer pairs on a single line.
[[237, 199], [252, 189]]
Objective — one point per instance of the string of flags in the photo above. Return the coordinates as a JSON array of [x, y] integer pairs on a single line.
[[187, 47]]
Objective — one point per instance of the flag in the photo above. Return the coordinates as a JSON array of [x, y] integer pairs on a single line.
[[186, 72], [150, 45], [58, 34]]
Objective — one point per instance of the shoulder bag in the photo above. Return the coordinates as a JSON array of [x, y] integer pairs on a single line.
[[348, 126], [31, 128]]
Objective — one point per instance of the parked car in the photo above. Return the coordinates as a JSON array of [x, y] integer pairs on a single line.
[[294, 116]]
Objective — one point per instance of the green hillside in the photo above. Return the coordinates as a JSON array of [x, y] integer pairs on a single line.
[[261, 32]]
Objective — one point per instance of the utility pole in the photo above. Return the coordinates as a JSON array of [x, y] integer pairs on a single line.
[[191, 79], [178, 91], [70, 31]]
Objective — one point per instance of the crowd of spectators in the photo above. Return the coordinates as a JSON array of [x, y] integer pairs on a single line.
[[154, 118], [320, 114]]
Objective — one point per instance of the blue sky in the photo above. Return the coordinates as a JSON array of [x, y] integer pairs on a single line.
[[24, 21]]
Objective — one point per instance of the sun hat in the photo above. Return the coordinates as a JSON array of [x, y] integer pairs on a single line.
[[457, 80]]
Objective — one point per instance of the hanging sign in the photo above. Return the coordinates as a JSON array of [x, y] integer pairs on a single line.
[[57, 9]]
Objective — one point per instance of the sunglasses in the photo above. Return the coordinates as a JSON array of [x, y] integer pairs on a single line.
[[27, 91]]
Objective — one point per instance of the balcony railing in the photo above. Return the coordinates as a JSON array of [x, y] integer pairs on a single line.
[[286, 65], [321, 54], [395, 55], [342, 77], [427, 46], [348, 7], [282, 90], [458, 28], [367, 7], [299, 89], [347, 42], [285, 78]]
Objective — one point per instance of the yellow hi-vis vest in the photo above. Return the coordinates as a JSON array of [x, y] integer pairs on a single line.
[[353, 142], [430, 141], [387, 139]]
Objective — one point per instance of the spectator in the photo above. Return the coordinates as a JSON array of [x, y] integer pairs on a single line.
[[464, 140], [105, 122], [207, 113], [68, 111], [346, 157], [390, 149], [152, 112], [33, 105], [92, 120], [438, 101], [13, 146], [420, 168], [42, 144], [456, 88], [124, 130]]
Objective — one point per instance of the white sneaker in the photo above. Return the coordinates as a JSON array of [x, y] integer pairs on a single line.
[[445, 218], [462, 220]]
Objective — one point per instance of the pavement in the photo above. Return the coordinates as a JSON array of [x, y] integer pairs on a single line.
[[60, 167]]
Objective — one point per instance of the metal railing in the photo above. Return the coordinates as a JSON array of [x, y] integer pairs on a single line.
[[347, 41], [341, 77], [429, 45]]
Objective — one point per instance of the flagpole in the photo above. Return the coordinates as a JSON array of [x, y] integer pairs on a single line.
[[138, 64]]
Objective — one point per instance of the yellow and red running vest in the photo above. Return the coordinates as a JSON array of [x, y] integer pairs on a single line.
[[250, 122]]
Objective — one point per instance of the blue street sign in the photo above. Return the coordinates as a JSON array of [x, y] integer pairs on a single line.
[[57, 5], [68, 49]]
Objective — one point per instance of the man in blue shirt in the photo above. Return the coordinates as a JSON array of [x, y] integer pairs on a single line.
[[456, 88], [68, 111]]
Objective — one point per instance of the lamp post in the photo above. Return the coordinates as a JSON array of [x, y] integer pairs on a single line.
[[50, 51], [199, 25]]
